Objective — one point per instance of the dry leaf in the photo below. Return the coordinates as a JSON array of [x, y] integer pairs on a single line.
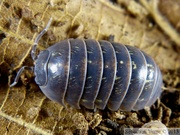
[[146, 25]]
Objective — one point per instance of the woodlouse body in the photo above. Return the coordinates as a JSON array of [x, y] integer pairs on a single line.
[[98, 74]]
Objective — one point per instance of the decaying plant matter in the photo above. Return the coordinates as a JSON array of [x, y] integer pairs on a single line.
[[151, 25]]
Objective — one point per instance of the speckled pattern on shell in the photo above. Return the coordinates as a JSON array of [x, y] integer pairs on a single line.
[[98, 74]]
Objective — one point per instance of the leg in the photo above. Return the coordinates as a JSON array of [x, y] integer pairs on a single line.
[[111, 38], [19, 74], [33, 51]]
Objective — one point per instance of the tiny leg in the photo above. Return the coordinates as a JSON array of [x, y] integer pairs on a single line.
[[111, 38]]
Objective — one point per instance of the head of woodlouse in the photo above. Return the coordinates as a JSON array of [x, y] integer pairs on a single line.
[[40, 69], [49, 71], [48, 65]]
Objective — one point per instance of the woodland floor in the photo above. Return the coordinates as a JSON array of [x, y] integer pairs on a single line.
[[151, 25]]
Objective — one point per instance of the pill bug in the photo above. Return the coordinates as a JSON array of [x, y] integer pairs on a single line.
[[96, 74]]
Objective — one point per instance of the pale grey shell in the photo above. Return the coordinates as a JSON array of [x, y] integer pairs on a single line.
[[153, 128]]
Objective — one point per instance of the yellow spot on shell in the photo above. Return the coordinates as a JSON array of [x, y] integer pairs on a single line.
[[121, 62]]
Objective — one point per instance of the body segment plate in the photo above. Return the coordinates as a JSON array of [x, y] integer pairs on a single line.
[[77, 74], [138, 78], [94, 73], [109, 74], [123, 76]]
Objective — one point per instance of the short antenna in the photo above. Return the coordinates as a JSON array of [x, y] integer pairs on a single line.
[[19, 74], [34, 47]]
